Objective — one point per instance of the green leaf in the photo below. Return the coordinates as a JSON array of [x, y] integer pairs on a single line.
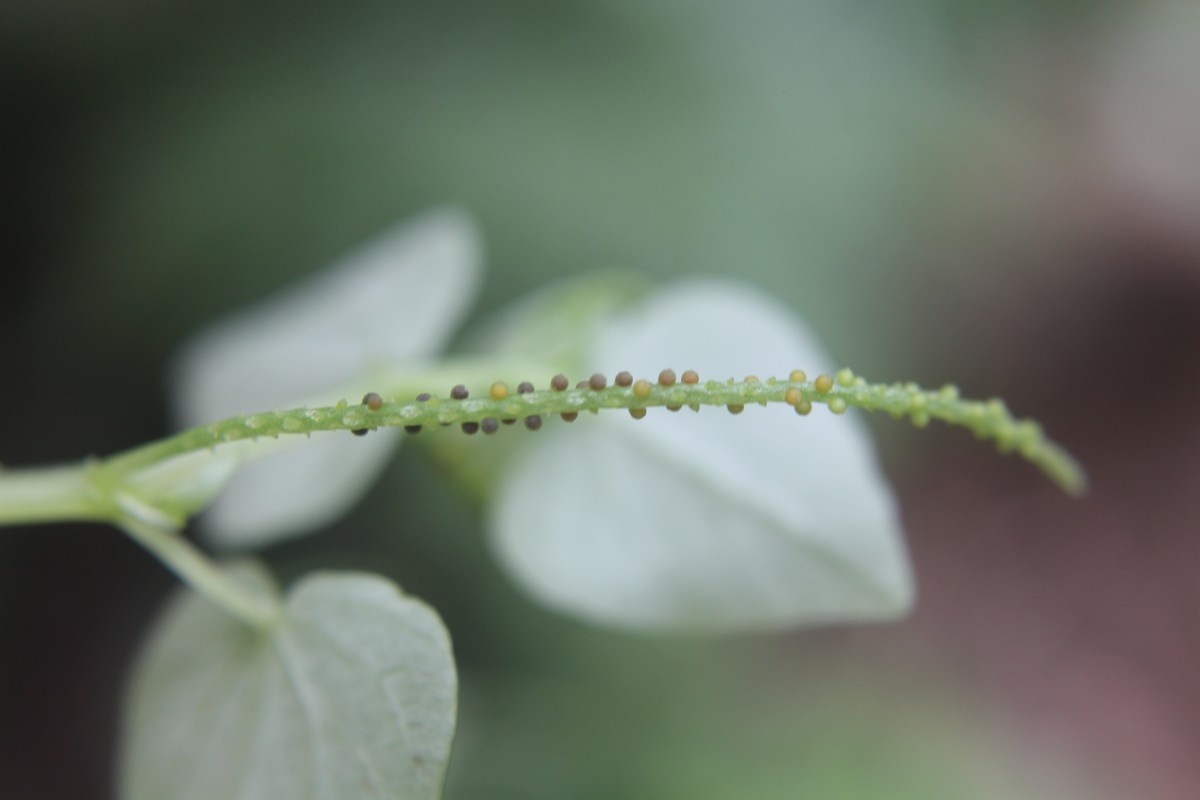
[[707, 521], [393, 302], [352, 693]]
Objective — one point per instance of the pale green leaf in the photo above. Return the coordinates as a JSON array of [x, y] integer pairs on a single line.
[[396, 300], [351, 694], [706, 521]]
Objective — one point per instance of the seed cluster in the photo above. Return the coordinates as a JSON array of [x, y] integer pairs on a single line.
[[640, 388], [838, 392], [990, 420]]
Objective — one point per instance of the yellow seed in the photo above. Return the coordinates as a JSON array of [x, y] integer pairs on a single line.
[[793, 396], [837, 405], [804, 408], [824, 383], [637, 413], [751, 379], [845, 376], [642, 388], [797, 376], [736, 408], [499, 390]]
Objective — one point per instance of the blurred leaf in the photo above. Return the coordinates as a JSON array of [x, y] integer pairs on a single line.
[[399, 298], [705, 522], [351, 694]]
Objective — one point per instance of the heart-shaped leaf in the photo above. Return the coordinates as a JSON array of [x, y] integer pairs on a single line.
[[351, 693], [396, 300], [709, 521]]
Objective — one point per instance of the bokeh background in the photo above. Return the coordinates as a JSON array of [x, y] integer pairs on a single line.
[[1003, 194]]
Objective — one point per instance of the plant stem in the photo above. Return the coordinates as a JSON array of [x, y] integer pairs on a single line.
[[195, 569], [52, 494], [987, 419]]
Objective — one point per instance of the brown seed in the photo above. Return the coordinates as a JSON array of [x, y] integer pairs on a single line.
[[797, 376], [499, 390], [470, 428], [667, 377], [581, 385], [642, 388], [623, 379], [559, 382], [637, 413], [597, 381], [736, 408], [459, 392], [524, 387], [570, 416], [691, 377], [824, 383], [534, 422], [372, 401], [490, 426], [421, 398]]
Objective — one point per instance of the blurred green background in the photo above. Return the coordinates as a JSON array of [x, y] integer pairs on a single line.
[[1003, 194]]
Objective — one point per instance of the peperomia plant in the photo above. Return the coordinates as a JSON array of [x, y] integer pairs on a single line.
[[642, 514]]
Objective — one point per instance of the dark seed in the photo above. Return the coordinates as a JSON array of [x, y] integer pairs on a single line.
[[524, 387], [581, 385], [509, 421], [667, 377], [459, 392], [570, 416], [423, 397], [623, 379], [359, 431], [470, 428], [534, 422], [372, 401], [597, 381], [490, 426], [559, 382]]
